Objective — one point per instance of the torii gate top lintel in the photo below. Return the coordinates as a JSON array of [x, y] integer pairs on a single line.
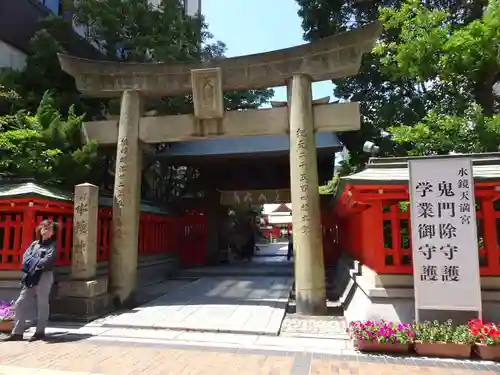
[[333, 57]]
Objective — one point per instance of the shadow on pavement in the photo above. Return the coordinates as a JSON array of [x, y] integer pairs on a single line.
[[57, 338]]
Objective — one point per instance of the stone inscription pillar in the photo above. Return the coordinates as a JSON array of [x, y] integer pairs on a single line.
[[125, 230], [308, 245], [84, 296], [85, 221]]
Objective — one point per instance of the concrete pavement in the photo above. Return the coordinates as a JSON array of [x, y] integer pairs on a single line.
[[245, 304], [229, 300]]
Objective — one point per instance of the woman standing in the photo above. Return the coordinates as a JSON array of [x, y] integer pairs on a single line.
[[39, 261]]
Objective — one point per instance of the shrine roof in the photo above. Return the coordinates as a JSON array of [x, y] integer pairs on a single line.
[[245, 145], [31, 189], [394, 171], [282, 208]]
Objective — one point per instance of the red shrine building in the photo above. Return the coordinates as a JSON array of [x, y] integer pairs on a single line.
[[372, 215]]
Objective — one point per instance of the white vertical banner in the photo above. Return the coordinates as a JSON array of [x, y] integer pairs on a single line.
[[444, 235]]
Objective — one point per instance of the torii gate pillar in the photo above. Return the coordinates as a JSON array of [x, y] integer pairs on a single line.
[[310, 291], [126, 201]]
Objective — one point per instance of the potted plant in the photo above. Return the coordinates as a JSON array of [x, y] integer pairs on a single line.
[[487, 339], [6, 316], [381, 336], [434, 339]]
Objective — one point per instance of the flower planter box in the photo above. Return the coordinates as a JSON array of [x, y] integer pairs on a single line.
[[367, 346], [6, 326], [488, 352], [443, 349]]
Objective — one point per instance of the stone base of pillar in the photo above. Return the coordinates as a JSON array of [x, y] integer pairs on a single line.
[[83, 300]]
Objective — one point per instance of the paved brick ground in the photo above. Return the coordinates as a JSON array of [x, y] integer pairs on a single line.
[[349, 368], [85, 358], [132, 360]]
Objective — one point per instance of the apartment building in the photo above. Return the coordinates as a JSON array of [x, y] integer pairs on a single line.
[[19, 22]]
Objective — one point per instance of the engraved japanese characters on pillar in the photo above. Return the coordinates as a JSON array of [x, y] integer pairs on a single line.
[[121, 170], [208, 101], [85, 216], [124, 240], [301, 138]]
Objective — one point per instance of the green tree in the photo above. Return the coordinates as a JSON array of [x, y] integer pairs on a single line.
[[384, 101], [459, 65], [44, 145], [389, 100]]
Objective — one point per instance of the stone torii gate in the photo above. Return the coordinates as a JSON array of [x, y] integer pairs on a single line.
[[297, 67]]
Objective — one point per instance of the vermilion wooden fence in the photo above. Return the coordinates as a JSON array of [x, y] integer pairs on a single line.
[[375, 227], [18, 220], [158, 234]]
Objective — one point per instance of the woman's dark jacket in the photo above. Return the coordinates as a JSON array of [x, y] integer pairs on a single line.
[[40, 256]]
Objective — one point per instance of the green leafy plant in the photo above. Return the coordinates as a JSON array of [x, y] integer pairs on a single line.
[[436, 332], [46, 146]]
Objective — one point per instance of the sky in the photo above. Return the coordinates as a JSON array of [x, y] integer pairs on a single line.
[[254, 26]]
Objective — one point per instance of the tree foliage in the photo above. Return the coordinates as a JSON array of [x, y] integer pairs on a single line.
[[457, 66], [44, 145], [429, 82], [384, 101], [331, 186]]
